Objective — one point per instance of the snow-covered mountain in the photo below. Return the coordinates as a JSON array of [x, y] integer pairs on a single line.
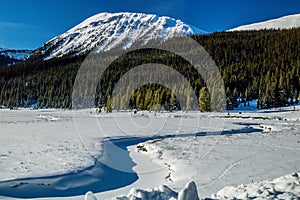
[[9, 56], [113, 30], [286, 22]]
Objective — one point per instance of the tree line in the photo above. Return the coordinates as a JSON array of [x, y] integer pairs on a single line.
[[261, 65]]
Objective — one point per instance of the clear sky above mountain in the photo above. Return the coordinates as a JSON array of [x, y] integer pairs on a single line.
[[29, 24]]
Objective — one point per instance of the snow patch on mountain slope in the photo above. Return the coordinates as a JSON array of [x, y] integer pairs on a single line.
[[113, 30], [286, 22]]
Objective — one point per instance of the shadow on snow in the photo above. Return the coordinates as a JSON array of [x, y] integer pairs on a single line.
[[97, 178]]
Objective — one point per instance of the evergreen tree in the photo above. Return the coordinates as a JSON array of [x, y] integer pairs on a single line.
[[172, 101], [108, 105], [204, 100], [188, 102]]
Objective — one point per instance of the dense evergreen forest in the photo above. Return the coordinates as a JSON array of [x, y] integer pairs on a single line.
[[261, 65], [4, 60]]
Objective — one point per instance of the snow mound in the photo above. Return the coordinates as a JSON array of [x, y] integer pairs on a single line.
[[113, 30], [161, 193], [90, 196], [189, 192], [286, 22], [285, 187]]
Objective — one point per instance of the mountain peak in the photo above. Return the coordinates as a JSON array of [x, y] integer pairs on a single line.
[[113, 30], [285, 22]]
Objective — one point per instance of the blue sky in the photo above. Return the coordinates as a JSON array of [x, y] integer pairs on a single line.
[[27, 24]]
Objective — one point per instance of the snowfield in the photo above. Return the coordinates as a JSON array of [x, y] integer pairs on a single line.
[[223, 155], [35, 143]]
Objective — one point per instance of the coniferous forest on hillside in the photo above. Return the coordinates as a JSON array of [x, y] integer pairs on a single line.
[[261, 65]]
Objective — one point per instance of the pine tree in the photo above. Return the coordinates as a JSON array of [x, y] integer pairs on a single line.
[[108, 105], [148, 99], [204, 100], [157, 102], [188, 102], [172, 101]]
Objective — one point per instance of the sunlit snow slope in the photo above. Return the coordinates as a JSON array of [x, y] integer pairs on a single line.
[[286, 22], [113, 30]]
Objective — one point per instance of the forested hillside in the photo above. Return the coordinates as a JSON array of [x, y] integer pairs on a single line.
[[260, 65]]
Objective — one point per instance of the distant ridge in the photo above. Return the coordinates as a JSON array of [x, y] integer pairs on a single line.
[[10, 56], [286, 22]]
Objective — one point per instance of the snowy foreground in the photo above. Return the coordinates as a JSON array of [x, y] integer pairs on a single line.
[[285, 187], [167, 155]]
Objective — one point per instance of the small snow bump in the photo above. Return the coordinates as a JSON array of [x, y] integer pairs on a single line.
[[90, 196], [189, 192]]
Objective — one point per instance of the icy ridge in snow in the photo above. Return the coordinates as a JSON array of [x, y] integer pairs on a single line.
[[113, 30], [286, 22]]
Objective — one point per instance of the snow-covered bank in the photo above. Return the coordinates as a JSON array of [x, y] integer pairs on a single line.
[[256, 146], [98, 177], [41, 142]]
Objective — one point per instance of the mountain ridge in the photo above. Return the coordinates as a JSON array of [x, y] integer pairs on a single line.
[[11, 56]]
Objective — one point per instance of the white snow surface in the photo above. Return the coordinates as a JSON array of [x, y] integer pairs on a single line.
[[106, 31], [36, 143], [258, 145], [286, 22]]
